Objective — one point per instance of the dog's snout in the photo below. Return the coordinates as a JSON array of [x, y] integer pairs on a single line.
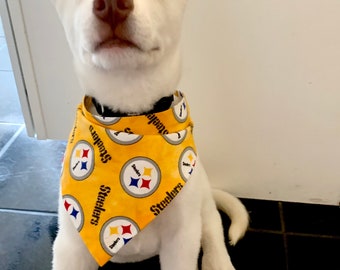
[[112, 11]]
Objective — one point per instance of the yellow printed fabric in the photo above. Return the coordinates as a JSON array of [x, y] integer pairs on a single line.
[[120, 173]]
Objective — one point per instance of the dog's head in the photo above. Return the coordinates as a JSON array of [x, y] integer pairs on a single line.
[[118, 34], [126, 52]]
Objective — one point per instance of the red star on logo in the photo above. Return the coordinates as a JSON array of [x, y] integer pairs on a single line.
[[126, 229], [145, 184], [67, 205], [86, 153]]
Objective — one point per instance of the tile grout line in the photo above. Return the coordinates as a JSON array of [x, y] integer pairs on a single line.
[[11, 141], [324, 236], [10, 124], [310, 235], [284, 235], [28, 212], [264, 231]]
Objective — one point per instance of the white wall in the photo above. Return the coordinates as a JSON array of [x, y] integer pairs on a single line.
[[263, 80], [269, 123]]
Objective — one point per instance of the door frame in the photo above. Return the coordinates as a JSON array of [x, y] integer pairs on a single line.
[[23, 68]]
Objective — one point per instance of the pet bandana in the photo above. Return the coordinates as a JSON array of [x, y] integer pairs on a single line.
[[120, 173]]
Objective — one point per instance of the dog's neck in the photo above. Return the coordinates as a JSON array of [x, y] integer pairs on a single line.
[[104, 111], [131, 91]]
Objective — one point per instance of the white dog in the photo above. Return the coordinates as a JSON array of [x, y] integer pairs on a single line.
[[127, 58]]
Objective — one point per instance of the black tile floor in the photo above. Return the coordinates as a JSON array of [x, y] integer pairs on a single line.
[[282, 236]]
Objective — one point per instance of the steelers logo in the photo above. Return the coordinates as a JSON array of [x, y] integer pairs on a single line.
[[176, 138], [123, 137], [82, 160], [74, 210], [106, 120], [140, 177], [181, 111], [187, 163], [116, 233]]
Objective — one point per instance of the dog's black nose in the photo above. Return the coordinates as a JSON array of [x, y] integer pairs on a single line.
[[112, 11]]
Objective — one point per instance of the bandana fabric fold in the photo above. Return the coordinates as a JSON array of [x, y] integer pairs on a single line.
[[121, 173]]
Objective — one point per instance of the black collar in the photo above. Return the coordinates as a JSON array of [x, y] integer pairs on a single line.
[[161, 105]]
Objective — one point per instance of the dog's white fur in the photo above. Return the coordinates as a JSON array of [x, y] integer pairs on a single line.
[[132, 79]]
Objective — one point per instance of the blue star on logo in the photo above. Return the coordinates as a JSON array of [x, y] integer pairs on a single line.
[[74, 213], [83, 165], [126, 240], [134, 182]]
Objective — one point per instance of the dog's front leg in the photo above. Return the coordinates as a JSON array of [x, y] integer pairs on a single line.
[[180, 250], [215, 254], [181, 230], [69, 251]]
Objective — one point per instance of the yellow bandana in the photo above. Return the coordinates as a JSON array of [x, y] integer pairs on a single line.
[[120, 173]]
